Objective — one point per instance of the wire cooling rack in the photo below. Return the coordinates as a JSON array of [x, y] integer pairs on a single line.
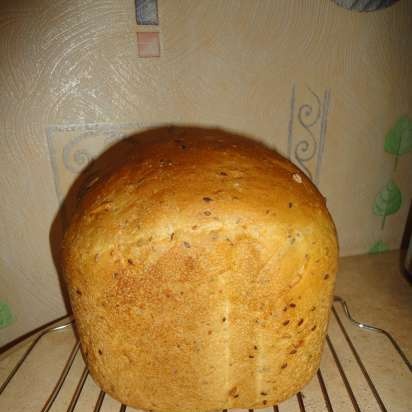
[[349, 379]]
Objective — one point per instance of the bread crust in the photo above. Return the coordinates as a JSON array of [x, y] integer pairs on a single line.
[[200, 268]]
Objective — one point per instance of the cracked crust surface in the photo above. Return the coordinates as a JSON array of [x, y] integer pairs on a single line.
[[200, 267]]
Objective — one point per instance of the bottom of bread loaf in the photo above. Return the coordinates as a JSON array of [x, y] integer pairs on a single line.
[[233, 398]]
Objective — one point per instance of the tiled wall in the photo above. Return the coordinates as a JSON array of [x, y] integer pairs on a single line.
[[321, 84]]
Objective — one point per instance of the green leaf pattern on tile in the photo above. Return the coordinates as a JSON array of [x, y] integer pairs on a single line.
[[398, 141], [388, 201], [6, 317], [378, 247]]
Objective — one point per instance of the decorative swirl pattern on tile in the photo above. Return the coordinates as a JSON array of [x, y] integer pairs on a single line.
[[76, 154], [307, 142]]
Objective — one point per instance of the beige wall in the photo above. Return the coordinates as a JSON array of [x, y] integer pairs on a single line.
[[72, 82]]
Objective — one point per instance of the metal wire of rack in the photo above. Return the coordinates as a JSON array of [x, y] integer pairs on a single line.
[[328, 405]]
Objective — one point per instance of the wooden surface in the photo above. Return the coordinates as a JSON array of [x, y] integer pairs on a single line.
[[375, 291], [72, 82]]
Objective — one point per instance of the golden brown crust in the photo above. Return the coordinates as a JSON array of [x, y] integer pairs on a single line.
[[201, 269]]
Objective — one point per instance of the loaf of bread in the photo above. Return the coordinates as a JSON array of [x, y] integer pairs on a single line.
[[200, 268]]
